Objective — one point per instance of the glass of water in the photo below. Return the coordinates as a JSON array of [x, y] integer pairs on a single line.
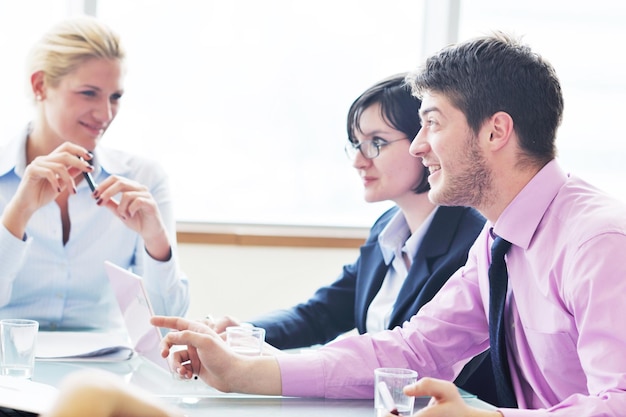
[[18, 339], [247, 340]]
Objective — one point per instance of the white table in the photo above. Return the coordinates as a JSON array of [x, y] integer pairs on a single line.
[[198, 399]]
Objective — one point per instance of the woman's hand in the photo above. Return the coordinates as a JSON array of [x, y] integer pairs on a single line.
[[45, 178], [138, 210], [219, 325]]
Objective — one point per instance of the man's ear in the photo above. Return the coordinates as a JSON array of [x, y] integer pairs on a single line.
[[500, 128], [37, 85]]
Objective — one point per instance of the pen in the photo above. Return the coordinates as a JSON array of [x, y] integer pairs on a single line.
[[88, 177], [387, 399]]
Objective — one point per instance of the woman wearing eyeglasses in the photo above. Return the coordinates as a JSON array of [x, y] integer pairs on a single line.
[[412, 249]]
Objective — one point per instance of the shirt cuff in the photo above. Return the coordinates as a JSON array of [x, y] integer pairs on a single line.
[[302, 375], [160, 269]]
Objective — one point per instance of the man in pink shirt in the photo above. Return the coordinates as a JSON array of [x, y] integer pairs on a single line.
[[490, 112]]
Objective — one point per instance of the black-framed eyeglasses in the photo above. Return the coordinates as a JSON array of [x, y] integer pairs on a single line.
[[370, 149]]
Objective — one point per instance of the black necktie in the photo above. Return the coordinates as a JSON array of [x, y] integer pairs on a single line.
[[498, 280]]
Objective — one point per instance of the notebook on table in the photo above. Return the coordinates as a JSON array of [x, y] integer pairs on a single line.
[[136, 309], [79, 346]]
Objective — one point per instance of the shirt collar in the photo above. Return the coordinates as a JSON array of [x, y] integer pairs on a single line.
[[520, 219], [397, 236], [112, 161]]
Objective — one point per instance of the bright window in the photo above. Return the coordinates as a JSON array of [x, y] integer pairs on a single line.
[[20, 27], [244, 101]]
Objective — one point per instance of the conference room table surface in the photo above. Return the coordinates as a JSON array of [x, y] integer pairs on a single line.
[[195, 398]]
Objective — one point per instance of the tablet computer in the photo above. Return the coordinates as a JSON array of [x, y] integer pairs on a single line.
[[134, 304]]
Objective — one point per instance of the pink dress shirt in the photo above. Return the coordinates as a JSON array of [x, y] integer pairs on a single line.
[[565, 310]]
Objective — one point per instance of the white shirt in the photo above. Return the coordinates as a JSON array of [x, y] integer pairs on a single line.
[[394, 241], [65, 286]]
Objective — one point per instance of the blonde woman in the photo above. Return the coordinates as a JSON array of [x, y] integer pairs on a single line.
[[56, 231]]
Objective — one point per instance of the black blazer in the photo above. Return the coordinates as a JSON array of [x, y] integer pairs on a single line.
[[342, 305]]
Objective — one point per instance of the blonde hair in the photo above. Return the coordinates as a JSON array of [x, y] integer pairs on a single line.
[[69, 44]]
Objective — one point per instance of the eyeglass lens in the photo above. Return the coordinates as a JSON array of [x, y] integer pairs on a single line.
[[367, 148]]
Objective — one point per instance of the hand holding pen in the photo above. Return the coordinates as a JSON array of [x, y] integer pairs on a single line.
[[135, 206], [88, 177], [45, 178]]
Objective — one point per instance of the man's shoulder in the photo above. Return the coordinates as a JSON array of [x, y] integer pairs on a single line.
[[583, 210]]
